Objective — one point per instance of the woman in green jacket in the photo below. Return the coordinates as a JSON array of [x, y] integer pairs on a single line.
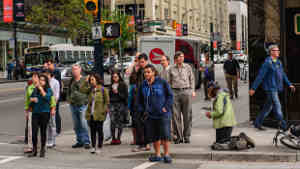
[[98, 100], [222, 113]]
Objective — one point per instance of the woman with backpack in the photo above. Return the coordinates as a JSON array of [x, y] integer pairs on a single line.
[[222, 112], [118, 93], [98, 100]]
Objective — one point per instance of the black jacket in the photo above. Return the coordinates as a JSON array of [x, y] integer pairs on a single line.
[[231, 67], [121, 96]]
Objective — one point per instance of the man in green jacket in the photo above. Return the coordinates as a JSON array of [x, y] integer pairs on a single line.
[[222, 113]]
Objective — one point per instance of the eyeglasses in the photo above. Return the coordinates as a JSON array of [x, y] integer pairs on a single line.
[[276, 50]]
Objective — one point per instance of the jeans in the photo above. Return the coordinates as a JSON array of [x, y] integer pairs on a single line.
[[272, 101], [80, 124], [58, 119]]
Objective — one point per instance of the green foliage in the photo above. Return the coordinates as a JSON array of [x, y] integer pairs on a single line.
[[67, 14], [123, 20], [70, 14]]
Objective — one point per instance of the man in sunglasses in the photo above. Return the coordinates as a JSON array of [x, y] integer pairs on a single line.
[[272, 76]]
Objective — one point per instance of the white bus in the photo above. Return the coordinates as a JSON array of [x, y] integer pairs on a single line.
[[61, 54]]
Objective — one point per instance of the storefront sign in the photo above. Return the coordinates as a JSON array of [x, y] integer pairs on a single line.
[[297, 24], [8, 11]]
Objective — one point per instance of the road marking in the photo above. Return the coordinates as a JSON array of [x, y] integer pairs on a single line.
[[13, 89], [4, 143], [11, 100], [9, 158], [144, 165]]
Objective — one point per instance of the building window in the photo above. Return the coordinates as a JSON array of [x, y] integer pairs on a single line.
[[166, 13]]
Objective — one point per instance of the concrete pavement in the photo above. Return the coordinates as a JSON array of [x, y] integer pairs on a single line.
[[203, 135]]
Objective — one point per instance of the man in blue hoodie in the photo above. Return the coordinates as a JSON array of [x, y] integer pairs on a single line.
[[271, 75], [155, 99]]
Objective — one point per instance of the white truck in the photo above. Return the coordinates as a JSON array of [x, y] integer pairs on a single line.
[[156, 46]]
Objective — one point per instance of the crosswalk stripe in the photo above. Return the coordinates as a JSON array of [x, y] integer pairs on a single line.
[[9, 158], [145, 165]]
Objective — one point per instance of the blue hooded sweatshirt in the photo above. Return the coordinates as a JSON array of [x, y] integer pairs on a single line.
[[153, 98], [272, 75]]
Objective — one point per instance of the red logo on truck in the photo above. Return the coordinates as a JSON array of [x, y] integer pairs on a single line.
[[155, 55]]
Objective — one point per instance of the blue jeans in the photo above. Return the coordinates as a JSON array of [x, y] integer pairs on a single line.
[[80, 124], [272, 102]]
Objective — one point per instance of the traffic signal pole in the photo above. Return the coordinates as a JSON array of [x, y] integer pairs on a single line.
[[212, 46], [98, 46]]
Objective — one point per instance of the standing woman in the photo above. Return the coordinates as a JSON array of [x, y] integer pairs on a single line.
[[118, 93], [207, 67], [98, 101], [40, 102]]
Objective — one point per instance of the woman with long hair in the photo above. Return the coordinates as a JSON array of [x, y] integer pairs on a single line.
[[98, 100], [118, 93], [40, 101]]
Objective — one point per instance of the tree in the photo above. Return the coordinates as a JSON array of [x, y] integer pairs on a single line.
[[123, 20], [67, 14]]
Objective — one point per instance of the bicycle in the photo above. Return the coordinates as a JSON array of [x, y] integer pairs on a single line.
[[288, 138]]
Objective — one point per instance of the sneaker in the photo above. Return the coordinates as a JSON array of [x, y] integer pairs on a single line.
[[167, 159], [87, 146], [49, 145], [113, 142], [187, 141], [250, 141], [155, 159], [77, 145], [118, 142], [93, 151]]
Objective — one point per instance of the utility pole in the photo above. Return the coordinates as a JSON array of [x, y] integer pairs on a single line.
[[135, 30], [212, 46], [98, 46], [16, 50]]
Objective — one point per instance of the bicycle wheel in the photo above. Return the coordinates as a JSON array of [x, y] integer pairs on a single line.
[[290, 142]]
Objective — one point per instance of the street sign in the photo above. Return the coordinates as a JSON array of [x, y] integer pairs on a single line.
[[178, 30], [155, 55], [96, 32], [8, 11], [112, 30], [19, 11], [185, 30], [297, 24]]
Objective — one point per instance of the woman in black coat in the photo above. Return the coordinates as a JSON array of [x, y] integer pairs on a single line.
[[118, 93]]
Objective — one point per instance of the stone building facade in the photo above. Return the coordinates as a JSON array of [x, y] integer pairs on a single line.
[[198, 14]]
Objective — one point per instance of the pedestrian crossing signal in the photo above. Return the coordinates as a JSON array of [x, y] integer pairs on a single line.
[[91, 6], [112, 30]]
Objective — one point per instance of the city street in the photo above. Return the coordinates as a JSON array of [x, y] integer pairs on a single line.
[[12, 124]]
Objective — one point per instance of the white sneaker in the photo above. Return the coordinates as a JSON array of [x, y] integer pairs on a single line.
[[93, 150], [48, 145]]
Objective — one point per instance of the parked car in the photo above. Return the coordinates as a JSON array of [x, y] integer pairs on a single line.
[[239, 55], [127, 61]]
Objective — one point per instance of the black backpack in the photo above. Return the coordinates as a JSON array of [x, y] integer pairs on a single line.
[[295, 130]]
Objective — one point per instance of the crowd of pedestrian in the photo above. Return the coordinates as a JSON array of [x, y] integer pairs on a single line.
[[159, 103]]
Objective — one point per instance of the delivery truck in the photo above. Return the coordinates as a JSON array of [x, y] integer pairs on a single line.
[[156, 46]]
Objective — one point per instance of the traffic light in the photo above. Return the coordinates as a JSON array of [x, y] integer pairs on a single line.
[[174, 24], [91, 6], [185, 30], [139, 24]]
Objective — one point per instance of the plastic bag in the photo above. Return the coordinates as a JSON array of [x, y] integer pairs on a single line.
[[106, 128]]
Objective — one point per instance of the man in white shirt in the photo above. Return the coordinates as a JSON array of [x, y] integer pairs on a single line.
[[54, 84]]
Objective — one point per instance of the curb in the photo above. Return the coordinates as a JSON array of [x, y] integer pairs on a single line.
[[224, 156], [12, 81]]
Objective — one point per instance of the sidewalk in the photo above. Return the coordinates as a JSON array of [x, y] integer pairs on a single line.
[[203, 135]]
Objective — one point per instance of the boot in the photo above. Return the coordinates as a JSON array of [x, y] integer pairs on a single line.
[[42, 153], [34, 152]]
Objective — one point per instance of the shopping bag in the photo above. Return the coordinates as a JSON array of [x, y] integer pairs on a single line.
[[106, 128]]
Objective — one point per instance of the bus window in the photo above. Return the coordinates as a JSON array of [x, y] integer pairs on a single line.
[[89, 55], [76, 55], [82, 55], [55, 56], [70, 56]]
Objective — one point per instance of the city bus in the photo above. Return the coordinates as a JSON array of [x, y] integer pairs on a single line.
[[61, 54]]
